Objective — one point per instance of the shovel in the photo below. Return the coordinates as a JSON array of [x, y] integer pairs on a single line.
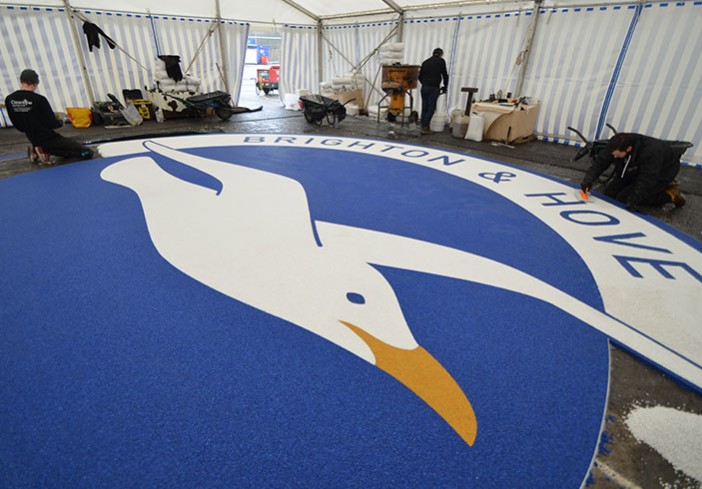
[[131, 114]]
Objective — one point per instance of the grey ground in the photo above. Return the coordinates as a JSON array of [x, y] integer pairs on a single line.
[[622, 460]]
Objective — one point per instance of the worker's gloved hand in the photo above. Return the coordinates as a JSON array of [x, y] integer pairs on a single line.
[[585, 186], [442, 90]]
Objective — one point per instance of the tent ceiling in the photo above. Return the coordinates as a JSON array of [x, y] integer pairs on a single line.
[[308, 12], [267, 11]]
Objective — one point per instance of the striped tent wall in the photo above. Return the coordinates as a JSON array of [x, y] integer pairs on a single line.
[[658, 89], [421, 37], [370, 38], [298, 65], [359, 44], [236, 36], [489, 46], [111, 70], [183, 36], [574, 54], [39, 38], [340, 50]]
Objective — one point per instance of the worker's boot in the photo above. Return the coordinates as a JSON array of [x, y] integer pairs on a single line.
[[44, 157], [675, 196], [32, 155], [426, 131]]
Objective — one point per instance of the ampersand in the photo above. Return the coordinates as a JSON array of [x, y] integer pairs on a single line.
[[499, 176]]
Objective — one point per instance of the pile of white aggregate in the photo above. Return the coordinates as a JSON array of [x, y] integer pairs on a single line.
[[676, 435]]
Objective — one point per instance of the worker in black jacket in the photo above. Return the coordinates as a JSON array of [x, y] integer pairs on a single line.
[[32, 114], [644, 171], [432, 71]]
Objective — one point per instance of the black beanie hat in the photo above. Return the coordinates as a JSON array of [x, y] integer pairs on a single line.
[[29, 76]]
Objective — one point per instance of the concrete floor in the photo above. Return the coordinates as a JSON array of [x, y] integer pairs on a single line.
[[622, 460]]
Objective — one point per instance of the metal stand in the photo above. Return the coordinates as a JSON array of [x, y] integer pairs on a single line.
[[404, 108]]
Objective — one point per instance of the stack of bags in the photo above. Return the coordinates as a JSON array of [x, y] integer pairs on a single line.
[[341, 83], [170, 86], [345, 89], [392, 53], [170, 79]]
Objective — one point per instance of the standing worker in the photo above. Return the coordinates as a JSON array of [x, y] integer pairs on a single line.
[[644, 171], [32, 114], [432, 71]]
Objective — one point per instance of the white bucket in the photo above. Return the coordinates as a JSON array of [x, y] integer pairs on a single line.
[[460, 126], [291, 101], [439, 120], [438, 123], [455, 114]]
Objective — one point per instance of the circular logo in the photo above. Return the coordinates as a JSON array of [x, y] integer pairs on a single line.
[[276, 311]]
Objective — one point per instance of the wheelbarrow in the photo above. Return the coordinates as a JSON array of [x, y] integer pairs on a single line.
[[316, 108], [221, 102], [593, 148]]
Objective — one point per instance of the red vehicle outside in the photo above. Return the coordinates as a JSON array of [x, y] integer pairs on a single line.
[[267, 79]]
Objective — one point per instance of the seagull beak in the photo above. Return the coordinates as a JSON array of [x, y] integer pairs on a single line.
[[427, 378]]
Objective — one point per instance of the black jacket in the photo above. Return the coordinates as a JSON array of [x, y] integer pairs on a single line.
[[93, 33], [432, 71], [651, 166], [31, 114]]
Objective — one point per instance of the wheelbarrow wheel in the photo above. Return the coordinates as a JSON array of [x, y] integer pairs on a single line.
[[331, 118], [223, 113]]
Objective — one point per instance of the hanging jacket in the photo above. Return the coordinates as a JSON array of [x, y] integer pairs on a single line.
[[93, 33], [172, 66]]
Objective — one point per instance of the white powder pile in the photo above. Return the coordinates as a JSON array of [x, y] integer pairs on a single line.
[[676, 435]]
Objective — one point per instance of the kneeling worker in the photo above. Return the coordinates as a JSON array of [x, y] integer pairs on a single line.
[[31, 114], [644, 171]]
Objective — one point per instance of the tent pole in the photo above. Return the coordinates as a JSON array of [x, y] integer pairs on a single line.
[[401, 27], [320, 53], [222, 49], [210, 31], [79, 52], [525, 55]]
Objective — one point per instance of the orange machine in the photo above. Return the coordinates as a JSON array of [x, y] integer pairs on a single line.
[[399, 81]]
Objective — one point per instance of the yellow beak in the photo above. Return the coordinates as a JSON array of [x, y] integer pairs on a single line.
[[427, 378]]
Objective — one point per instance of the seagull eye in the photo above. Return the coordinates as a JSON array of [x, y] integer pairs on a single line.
[[355, 298]]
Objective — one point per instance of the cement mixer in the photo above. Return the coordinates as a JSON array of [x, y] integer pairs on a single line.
[[398, 82]]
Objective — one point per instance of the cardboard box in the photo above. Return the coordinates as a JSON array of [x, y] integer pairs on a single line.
[[507, 123], [348, 95]]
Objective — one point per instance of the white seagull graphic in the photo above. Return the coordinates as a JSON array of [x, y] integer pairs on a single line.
[[255, 241]]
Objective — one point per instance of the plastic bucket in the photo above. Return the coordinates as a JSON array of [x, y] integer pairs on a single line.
[[460, 126]]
